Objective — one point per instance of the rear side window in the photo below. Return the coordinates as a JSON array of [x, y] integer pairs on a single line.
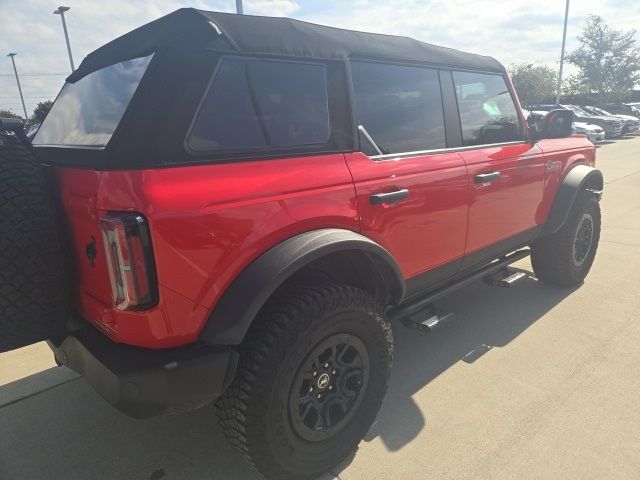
[[399, 106], [87, 112], [487, 112], [258, 104]]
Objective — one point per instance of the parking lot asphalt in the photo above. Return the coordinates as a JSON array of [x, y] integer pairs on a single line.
[[529, 382]]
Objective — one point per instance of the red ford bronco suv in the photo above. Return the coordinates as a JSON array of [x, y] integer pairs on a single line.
[[244, 204]]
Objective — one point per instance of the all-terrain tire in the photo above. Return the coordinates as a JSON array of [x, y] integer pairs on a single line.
[[34, 281], [557, 259], [256, 411]]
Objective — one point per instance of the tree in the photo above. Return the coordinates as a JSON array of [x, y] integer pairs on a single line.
[[41, 111], [533, 83], [608, 61], [575, 91]]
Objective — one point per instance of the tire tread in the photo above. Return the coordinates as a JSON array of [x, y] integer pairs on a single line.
[[283, 321], [550, 255], [34, 283]]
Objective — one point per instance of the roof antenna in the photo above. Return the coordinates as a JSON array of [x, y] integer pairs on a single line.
[[215, 27], [239, 7]]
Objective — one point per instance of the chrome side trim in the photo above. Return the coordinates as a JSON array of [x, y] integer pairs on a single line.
[[396, 156]]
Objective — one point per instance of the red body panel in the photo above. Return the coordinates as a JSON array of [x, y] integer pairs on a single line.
[[207, 223], [508, 206], [79, 189], [564, 153], [429, 228]]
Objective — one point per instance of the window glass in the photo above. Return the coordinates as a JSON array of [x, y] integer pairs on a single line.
[[227, 118], [577, 111], [487, 112], [255, 103], [87, 112], [400, 107]]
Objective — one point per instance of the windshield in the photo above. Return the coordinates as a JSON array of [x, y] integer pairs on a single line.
[[87, 112], [579, 111], [600, 111]]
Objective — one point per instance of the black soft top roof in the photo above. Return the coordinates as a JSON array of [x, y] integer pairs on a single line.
[[226, 32]]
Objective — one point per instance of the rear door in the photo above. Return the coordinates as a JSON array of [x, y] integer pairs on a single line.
[[506, 171], [412, 194]]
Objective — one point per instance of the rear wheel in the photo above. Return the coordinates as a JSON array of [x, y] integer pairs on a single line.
[[34, 286], [565, 257], [312, 374]]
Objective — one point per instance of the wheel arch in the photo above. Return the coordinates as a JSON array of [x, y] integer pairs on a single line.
[[579, 178], [339, 254]]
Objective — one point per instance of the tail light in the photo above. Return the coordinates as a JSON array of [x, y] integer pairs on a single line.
[[130, 261]]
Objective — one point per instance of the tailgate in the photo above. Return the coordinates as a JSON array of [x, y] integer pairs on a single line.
[[79, 189]]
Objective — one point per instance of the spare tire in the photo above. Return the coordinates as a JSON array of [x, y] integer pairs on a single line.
[[34, 277]]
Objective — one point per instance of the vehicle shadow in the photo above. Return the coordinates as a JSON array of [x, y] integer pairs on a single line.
[[486, 317], [67, 431]]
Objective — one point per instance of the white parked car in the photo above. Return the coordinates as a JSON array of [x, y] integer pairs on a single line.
[[594, 133]]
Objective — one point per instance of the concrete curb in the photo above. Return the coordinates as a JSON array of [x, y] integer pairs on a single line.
[[34, 384]]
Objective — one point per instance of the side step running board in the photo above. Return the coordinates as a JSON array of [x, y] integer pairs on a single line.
[[428, 320], [505, 278], [421, 305]]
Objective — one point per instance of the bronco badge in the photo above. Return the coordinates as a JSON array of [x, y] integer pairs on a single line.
[[91, 251]]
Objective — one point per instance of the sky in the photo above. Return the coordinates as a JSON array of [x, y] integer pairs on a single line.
[[513, 31]]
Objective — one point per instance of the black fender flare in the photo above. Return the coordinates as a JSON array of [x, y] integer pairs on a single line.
[[576, 180], [235, 310]]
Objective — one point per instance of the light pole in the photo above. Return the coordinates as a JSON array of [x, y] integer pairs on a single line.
[[60, 11], [239, 7], [26, 117], [564, 41]]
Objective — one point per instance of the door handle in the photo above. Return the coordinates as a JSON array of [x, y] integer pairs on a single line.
[[389, 197], [487, 177]]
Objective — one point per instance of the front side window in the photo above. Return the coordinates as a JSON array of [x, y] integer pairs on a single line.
[[87, 112], [261, 103], [487, 112], [400, 107]]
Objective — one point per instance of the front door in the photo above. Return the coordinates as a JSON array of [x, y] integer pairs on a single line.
[[506, 172], [412, 199]]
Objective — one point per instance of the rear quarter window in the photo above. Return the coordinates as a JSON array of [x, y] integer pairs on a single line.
[[256, 104], [87, 112]]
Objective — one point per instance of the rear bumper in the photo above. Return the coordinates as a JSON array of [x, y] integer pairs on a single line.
[[144, 383]]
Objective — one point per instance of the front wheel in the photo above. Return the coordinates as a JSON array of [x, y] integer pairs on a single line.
[[565, 257], [312, 375]]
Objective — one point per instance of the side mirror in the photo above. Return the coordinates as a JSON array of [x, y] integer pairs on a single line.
[[558, 124]]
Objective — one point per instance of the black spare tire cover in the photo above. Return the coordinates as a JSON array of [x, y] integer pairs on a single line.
[[34, 278]]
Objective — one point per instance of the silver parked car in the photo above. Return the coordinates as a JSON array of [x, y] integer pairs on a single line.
[[631, 124]]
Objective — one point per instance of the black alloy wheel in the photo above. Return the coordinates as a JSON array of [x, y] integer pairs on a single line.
[[328, 387], [583, 240]]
